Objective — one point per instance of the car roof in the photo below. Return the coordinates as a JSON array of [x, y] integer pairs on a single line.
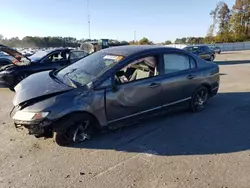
[[128, 50], [198, 45], [56, 49]]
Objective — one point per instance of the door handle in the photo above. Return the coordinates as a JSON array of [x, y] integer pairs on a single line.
[[153, 85], [191, 76]]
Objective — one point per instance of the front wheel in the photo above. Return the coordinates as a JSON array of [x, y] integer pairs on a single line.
[[82, 129], [199, 99]]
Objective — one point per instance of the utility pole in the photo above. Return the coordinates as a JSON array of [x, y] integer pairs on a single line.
[[135, 36], [88, 18]]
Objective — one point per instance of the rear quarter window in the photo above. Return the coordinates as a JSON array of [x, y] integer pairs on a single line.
[[193, 63]]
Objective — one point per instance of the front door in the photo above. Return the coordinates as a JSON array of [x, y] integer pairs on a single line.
[[137, 90]]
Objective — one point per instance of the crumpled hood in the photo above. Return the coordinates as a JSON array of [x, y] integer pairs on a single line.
[[38, 85]]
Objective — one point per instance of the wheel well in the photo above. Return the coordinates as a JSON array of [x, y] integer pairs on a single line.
[[208, 87], [64, 121]]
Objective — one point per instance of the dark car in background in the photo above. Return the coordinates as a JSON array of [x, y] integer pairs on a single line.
[[216, 49], [20, 68], [110, 88], [5, 59], [203, 51]]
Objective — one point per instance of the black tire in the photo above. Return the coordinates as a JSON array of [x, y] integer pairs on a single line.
[[219, 52], [81, 129], [199, 99], [212, 58]]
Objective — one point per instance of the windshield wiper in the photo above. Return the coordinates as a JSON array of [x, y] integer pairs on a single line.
[[73, 82]]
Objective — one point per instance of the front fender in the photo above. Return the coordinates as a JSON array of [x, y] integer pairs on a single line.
[[63, 104]]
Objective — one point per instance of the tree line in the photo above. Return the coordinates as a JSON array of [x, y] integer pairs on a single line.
[[45, 42], [228, 25], [40, 42]]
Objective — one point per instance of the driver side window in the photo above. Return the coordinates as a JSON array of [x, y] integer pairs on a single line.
[[139, 69]]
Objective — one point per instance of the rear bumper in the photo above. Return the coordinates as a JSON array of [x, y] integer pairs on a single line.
[[215, 88], [214, 91]]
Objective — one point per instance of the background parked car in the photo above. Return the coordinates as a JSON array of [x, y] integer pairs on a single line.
[[5, 59], [110, 88], [203, 51], [12, 74], [216, 49]]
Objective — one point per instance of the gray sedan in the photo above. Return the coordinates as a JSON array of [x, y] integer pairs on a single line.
[[111, 88]]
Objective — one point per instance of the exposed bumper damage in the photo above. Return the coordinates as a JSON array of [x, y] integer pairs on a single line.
[[36, 128]]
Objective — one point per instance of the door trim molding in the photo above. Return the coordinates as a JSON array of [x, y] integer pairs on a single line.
[[152, 109], [176, 102]]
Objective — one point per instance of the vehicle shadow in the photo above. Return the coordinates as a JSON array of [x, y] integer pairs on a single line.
[[222, 128], [236, 62]]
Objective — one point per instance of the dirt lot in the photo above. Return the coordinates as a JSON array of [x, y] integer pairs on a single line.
[[208, 149]]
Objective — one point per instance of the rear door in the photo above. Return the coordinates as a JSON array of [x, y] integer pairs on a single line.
[[137, 92], [178, 78]]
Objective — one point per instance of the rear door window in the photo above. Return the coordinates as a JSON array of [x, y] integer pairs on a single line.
[[176, 63]]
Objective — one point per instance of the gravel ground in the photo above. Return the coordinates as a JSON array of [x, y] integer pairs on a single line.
[[208, 149]]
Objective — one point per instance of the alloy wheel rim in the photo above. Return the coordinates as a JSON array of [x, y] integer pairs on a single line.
[[78, 133], [200, 99]]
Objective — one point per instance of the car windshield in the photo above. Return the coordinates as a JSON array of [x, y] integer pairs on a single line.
[[38, 55], [85, 70]]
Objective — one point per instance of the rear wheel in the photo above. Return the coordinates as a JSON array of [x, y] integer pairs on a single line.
[[199, 99], [81, 129]]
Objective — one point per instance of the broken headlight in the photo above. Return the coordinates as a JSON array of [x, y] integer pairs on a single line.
[[29, 116]]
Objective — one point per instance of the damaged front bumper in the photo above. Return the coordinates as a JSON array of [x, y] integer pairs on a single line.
[[37, 128]]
